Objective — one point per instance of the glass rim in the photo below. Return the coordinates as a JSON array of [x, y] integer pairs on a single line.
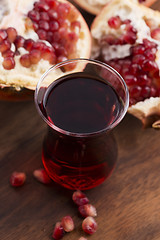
[[97, 62]]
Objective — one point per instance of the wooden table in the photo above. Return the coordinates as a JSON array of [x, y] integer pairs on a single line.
[[128, 203]]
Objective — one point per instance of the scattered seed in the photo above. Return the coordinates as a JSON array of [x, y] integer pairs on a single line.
[[41, 176], [17, 179], [67, 223]]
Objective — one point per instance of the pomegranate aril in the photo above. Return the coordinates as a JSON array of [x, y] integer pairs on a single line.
[[28, 43], [138, 59], [12, 34], [53, 14], [145, 92], [54, 26], [35, 56], [144, 80], [38, 46], [41, 6], [79, 198], [8, 53], [150, 53], [74, 25], [87, 210], [52, 3], [19, 41], [58, 231], [4, 46], [44, 16], [41, 176], [63, 9], [135, 91], [43, 25], [89, 225], [42, 34], [49, 55], [67, 224], [149, 66], [139, 49], [148, 44], [115, 22], [34, 15], [25, 60], [17, 179], [155, 33], [8, 63], [129, 38], [3, 35]]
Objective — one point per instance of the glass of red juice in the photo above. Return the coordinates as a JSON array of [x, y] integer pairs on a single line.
[[81, 101]]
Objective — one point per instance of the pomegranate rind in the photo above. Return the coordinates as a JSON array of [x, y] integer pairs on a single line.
[[27, 78], [94, 7], [148, 111]]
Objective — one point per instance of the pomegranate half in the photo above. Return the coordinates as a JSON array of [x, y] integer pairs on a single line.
[[95, 6], [34, 35], [126, 35]]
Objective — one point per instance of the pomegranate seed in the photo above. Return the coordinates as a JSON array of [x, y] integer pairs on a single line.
[[148, 44], [145, 92], [49, 55], [38, 46], [114, 22], [56, 36], [74, 25], [17, 179], [8, 53], [44, 16], [63, 9], [79, 198], [4, 46], [19, 41], [144, 80], [3, 35], [12, 34], [35, 56], [130, 37], [135, 91], [155, 33], [53, 14], [49, 37], [67, 224], [8, 63], [87, 210], [149, 65], [43, 25], [58, 231], [25, 60], [28, 43], [150, 53], [89, 225], [130, 80], [139, 49], [41, 176], [41, 6], [42, 34], [54, 26], [34, 15], [138, 59], [52, 3], [61, 51]]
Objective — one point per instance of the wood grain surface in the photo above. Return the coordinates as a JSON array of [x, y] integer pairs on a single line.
[[128, 203]]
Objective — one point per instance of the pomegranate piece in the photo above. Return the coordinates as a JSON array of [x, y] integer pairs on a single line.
[[17, 179], [87, 210], [67, 224], [8, 63], [79, 198], [3, 35], [41, 176], [12, 34], [58, 231], [89, 225]]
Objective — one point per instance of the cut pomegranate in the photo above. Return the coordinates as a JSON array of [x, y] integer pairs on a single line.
[[67, 224], [89, 225], [41, 176], [87, 210], [79, 198], [17, 179], [58, 231]]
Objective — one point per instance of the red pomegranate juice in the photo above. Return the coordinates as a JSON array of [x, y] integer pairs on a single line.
[[81, 156]]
